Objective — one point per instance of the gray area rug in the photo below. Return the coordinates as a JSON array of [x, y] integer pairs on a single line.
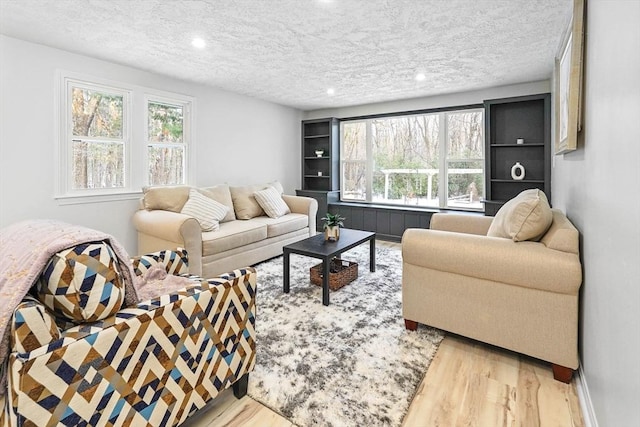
[[351, 363]]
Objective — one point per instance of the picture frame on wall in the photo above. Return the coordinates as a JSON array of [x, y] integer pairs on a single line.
[[568, 83]]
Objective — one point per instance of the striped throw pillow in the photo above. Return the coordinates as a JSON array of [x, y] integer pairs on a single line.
[[207, 211], [271, 202]]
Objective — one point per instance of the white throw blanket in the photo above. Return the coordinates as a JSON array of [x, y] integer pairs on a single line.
[[25, 250]]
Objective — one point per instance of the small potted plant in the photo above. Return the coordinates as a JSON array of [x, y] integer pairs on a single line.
[[332, 224]]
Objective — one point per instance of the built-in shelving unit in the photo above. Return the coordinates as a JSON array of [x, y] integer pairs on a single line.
[[507, 120], [320, 171]]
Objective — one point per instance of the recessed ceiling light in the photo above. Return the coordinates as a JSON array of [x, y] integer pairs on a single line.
[[198, 43], [420, 77], [331, 91]]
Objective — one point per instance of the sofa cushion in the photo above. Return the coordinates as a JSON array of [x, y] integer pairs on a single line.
[[244, 201], [175, 262], [525, 217], [220, 193], [284, 224], [562, 235], [232, 234], [275, 184], [82, 283], [270, 200], [207, 211], [169, 198]]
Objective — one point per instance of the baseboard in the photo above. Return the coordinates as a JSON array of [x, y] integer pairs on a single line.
[[588, 413]]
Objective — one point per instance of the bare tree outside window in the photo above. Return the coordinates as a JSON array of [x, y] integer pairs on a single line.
[[166, 148], [97, 144]]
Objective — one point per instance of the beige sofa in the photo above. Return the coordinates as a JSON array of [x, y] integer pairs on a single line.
[[519, 295], [237, 242]]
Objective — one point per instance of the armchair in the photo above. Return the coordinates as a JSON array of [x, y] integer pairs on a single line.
[[519, 295], [154, 363]]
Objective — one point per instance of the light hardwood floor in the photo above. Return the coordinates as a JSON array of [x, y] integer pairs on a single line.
[[467, 384]]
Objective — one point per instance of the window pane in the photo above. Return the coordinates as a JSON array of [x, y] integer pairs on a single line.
[[466, 184], [465, 135], [354, 181], [406, 161], [165, 123], [417, 187], [354, 142], [97, 165], [96, 113], [166, 165]]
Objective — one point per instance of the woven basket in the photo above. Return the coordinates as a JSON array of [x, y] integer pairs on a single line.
[[341, 273]]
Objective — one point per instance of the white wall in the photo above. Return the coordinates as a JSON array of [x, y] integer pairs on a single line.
[[239, 140], [439, 101], [599, 188]]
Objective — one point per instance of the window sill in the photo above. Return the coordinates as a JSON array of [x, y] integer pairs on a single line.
[[64, 200], [406, 208]]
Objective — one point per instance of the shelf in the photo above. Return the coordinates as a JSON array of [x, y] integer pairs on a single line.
[[516, 181], [315, 136], [316, 176], [526, 144], [317, 158]]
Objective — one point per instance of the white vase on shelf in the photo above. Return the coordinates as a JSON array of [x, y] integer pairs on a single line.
[[517, 172]]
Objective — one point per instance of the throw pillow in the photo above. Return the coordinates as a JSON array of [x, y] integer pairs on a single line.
[[82, 283], [207, 211], [170, 198], [220, 193], [271, 201], [525, 217], [244, 201]]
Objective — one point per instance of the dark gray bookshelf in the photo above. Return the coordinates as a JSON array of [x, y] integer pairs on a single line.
[[506, 120], [320, 174]]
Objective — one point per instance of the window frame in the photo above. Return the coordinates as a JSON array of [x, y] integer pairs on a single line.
[[443, 160], [135, 131], [187, 106]]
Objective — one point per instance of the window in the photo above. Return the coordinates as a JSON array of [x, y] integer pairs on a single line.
[[115, 139], [98, 137], [165, 143], [429, 160]]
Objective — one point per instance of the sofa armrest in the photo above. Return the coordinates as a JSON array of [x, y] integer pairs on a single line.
[[526, 264], [470, 224], [303, 205], [168, 230], [32, 326]]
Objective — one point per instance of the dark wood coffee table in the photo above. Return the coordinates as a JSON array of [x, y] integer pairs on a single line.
[[317, 247]]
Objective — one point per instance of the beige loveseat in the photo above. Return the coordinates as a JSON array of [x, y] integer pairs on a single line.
[[519, 295], [245, 235]]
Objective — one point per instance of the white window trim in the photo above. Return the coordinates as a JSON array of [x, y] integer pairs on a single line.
[[135, 154], [187, 103]]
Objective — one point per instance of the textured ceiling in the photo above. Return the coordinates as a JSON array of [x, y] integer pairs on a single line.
[[291, 51]]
